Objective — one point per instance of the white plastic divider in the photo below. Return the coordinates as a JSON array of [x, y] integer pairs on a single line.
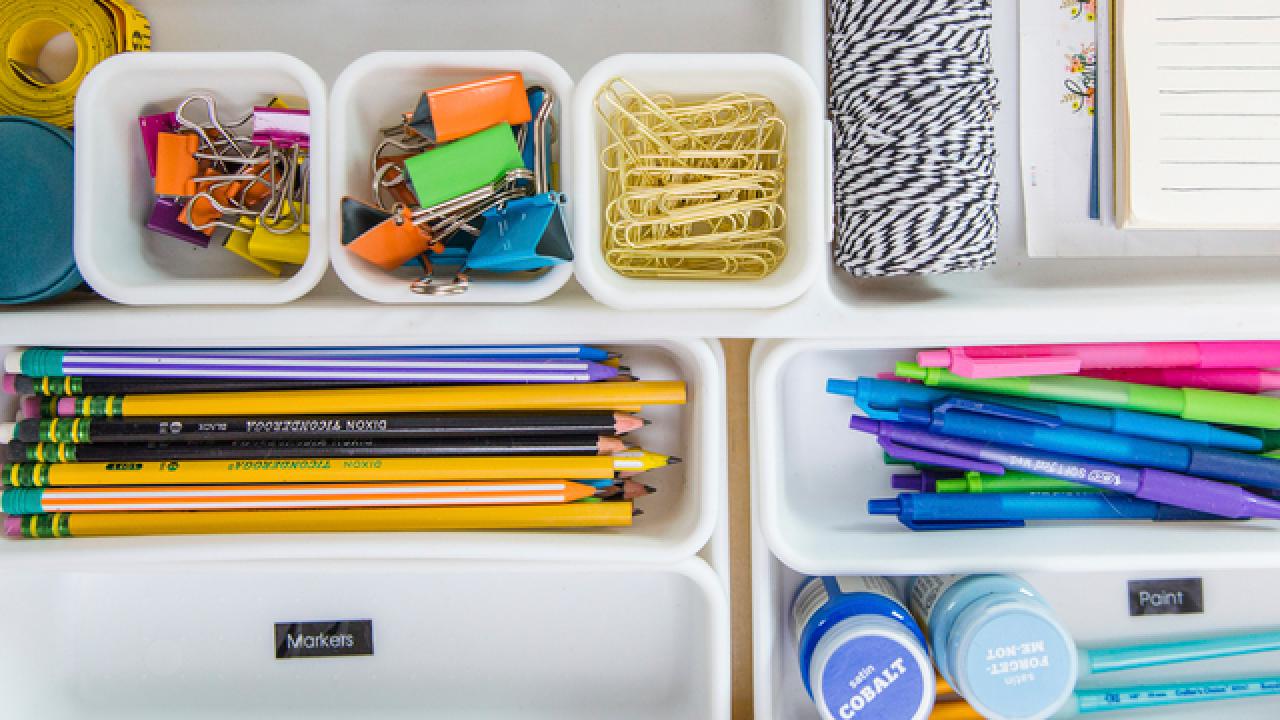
[[678, 520], [116, 253], [372, 93], [705, 75], [812, 477], [1094, 608], [152, 637]]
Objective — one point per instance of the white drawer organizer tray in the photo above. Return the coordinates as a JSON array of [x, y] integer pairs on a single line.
[[1039, 299], [144, 636], [813, 476], [678, 520], [1093, 606]]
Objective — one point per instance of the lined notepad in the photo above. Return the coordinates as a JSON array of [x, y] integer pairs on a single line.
[[1197, 113]]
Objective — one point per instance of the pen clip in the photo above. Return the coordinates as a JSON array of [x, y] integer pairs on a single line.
[[997, 367], [1007, 412], [929, 457], [926, 525]]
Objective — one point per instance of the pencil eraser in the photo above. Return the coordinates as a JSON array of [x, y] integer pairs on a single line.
[[7, 432], [13, 362], [30, 405], [13, 525], [66, 407]]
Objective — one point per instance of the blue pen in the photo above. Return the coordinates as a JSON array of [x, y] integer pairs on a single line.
[[1010, 426], [881, 399], [960, 511]]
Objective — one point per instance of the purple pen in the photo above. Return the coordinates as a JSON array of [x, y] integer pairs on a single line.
[[911, 443]]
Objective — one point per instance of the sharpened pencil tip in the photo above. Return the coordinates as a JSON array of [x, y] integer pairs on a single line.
[[650, 489], [647, 421], [673, 460], [636, 512], [613, 355]]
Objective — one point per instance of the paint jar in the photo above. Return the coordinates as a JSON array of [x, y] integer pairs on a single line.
[[861, 653], [997, 643]]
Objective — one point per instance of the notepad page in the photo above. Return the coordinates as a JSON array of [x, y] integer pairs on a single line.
[[1198, 127]]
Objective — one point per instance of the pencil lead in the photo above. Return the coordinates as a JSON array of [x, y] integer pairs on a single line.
[[636, 512], [650, 489], [673, 460], [647, 421], [624, 370], [614, 355]]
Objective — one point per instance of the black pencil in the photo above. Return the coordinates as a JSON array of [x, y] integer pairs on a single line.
[[345, 448], [318, 427]]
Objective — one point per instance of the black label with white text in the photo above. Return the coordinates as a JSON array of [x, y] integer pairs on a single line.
[[324, 639], [1171, 596]]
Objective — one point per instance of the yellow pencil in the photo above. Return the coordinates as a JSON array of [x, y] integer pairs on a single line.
[[618, 396], [570, 515], [327, 470]]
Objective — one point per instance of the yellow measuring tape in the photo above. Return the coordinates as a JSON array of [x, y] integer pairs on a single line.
[[100, 28]]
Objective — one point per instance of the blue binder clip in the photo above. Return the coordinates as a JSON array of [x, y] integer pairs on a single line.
[[527, 233]]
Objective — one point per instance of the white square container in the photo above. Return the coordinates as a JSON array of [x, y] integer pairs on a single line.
[[91, 634], [1093, 606], [812, 477], [678, 520], [116, 253], [371, 94], [686, 74]]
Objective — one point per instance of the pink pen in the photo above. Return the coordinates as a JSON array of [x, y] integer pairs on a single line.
[[1238, 380], [1020, 360]]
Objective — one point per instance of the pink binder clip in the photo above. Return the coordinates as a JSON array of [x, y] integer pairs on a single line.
[[283, 127]]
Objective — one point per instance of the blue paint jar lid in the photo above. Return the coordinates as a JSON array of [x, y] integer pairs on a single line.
[[36, 211], [1012, 659], [870, 667]]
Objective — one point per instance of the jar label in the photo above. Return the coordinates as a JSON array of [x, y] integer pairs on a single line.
[[873, 678], [925, 592]]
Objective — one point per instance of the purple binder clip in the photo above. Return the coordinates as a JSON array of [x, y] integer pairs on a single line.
[[152, 125], [166, 218]]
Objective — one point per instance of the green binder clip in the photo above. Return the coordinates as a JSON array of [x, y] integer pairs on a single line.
[[447, 171]]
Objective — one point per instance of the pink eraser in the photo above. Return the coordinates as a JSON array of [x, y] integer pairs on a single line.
[[10, 383], [66, 407], [30, 405], [13, 525]]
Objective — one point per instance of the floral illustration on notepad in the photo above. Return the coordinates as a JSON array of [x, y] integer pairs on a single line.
[[1082, 79], [1087, 9]]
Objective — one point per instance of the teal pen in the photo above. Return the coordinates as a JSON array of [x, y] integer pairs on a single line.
[[1099, 700], [1133, 657]]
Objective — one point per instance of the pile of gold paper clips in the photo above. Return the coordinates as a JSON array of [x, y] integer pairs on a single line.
[[694, 187]]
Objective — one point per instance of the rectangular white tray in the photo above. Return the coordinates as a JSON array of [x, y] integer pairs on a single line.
[[812, 477], [1021, 299], [678, 520], [1094, 608], [151, 637]]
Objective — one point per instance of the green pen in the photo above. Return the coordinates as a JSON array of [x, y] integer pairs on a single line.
[[1213, 406], [1010, 482]]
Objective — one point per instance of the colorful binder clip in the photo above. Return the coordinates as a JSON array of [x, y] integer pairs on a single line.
[[229, 188], [456, 111], [448, 171], [527, 233]]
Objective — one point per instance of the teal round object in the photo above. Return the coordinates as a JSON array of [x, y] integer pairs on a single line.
[[37, 257]]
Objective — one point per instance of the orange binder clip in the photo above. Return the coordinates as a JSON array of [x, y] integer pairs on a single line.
[[394, 241], [176, 164], [456, 111]]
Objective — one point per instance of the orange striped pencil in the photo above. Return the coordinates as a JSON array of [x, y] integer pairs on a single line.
[[26, 501]]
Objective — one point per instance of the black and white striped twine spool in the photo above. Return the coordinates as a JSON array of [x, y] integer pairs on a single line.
[[913, 102]]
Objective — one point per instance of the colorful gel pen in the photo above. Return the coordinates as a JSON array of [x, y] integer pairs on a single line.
[[1132, 657], [931, 511], [881, 399], [918, 444], [1097, 700], [1187, 403], [1013, 360], [979, 483], [1239, 380], [1009, 426]]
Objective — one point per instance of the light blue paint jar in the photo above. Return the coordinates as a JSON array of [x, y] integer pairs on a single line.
[[998, 643], [862, 656]]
